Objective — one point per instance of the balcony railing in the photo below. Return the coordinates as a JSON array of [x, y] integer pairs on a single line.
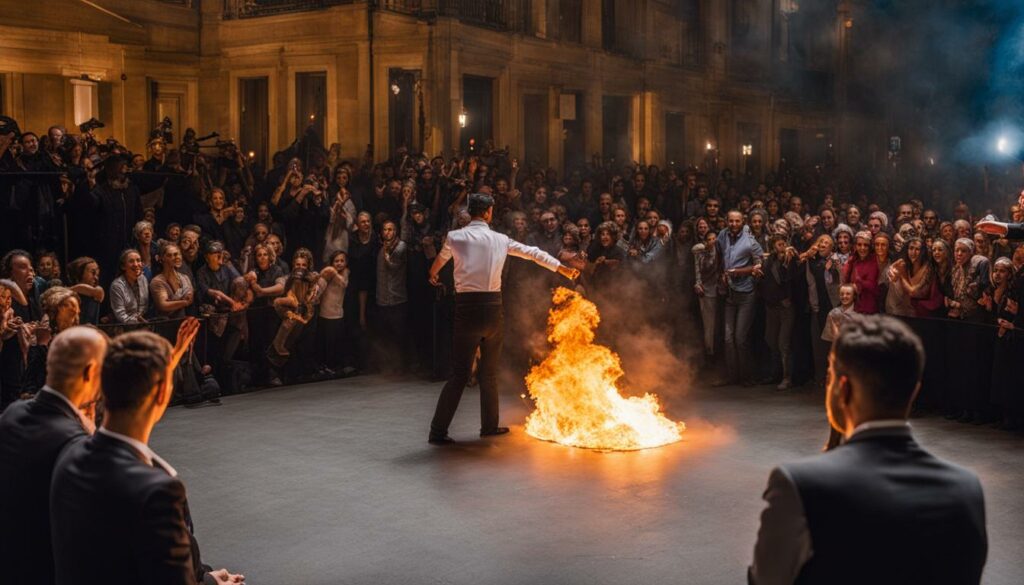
[[252, 8], [493, 14]]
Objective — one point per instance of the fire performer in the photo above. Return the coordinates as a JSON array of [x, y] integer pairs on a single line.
[[1012, 231], [479, 255]]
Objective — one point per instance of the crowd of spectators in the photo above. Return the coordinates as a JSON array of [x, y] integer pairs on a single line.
[[317, 266]]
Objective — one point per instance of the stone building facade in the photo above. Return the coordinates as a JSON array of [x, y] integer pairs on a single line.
[[746, 82]]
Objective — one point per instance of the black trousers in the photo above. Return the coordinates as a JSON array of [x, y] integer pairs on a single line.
[[478, 324]]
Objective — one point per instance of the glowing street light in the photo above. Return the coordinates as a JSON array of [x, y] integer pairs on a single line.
[[1003, 145], [709, 147], [463, 119]]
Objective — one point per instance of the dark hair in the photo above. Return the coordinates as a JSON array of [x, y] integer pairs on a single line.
[[884, 356], [76, 268], [7, 262], [479, 204], [335, 254], [134, 364]]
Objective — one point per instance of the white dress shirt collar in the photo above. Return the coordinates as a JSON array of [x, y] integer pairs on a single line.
[[148, 454], [78, 413]]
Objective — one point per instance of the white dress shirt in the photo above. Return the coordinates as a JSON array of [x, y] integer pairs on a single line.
[[479, 253], [148, 454]]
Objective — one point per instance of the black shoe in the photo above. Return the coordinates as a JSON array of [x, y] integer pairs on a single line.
[[494, 432], [214, 401], [441, 440]]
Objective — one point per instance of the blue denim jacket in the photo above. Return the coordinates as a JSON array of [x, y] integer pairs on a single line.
[[741, 252]]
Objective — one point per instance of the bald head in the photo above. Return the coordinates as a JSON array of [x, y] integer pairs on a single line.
[[73, 363]]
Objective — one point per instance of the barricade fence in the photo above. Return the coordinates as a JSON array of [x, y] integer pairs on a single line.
[[968, 366]]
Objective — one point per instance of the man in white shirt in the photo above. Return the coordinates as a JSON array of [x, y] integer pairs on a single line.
[[878, 509], [479, 254]]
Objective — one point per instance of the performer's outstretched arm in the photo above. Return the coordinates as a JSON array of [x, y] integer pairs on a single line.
[[541, 258]]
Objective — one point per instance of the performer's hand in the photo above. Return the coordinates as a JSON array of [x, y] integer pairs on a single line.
[[570, 273], [995, 228], [434, 280]]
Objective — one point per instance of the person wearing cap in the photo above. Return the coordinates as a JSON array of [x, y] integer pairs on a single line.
[[479, 255], [214, 284], [1011, 231]]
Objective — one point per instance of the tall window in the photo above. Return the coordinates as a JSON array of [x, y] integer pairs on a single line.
[[86, 100], [570, 20], [675, 139], [616, 112], [254, 119], [608, 24], [478, 106], [402, 108], [536, 117], [749, 136], [693, 32], [311, 102]]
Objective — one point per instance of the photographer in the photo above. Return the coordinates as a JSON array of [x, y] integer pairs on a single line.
[[231, 170], [116, 208], [303, 208]]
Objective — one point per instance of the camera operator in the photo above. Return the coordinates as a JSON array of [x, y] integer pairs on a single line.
[[231, 168], [115, 207]]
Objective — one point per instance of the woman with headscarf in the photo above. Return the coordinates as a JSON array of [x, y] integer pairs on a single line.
[[969, 279], [842, 237]]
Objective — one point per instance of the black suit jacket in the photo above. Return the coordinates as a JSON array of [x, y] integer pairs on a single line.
[[878, 509], [32, 435], [116, 519]]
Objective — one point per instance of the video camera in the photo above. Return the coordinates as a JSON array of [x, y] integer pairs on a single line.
[[90, 125]]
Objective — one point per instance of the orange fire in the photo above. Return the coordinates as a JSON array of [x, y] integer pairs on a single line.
[[577, 399]]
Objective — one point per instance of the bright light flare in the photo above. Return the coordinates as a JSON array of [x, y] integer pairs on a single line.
[[575, 389], [1003, 145]]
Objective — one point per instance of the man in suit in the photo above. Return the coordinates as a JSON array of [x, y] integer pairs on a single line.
[[32, 435], [877, 509], [1011, 231], [118, 512]]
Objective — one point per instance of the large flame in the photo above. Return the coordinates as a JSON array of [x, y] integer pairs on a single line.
[[574, 388]]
